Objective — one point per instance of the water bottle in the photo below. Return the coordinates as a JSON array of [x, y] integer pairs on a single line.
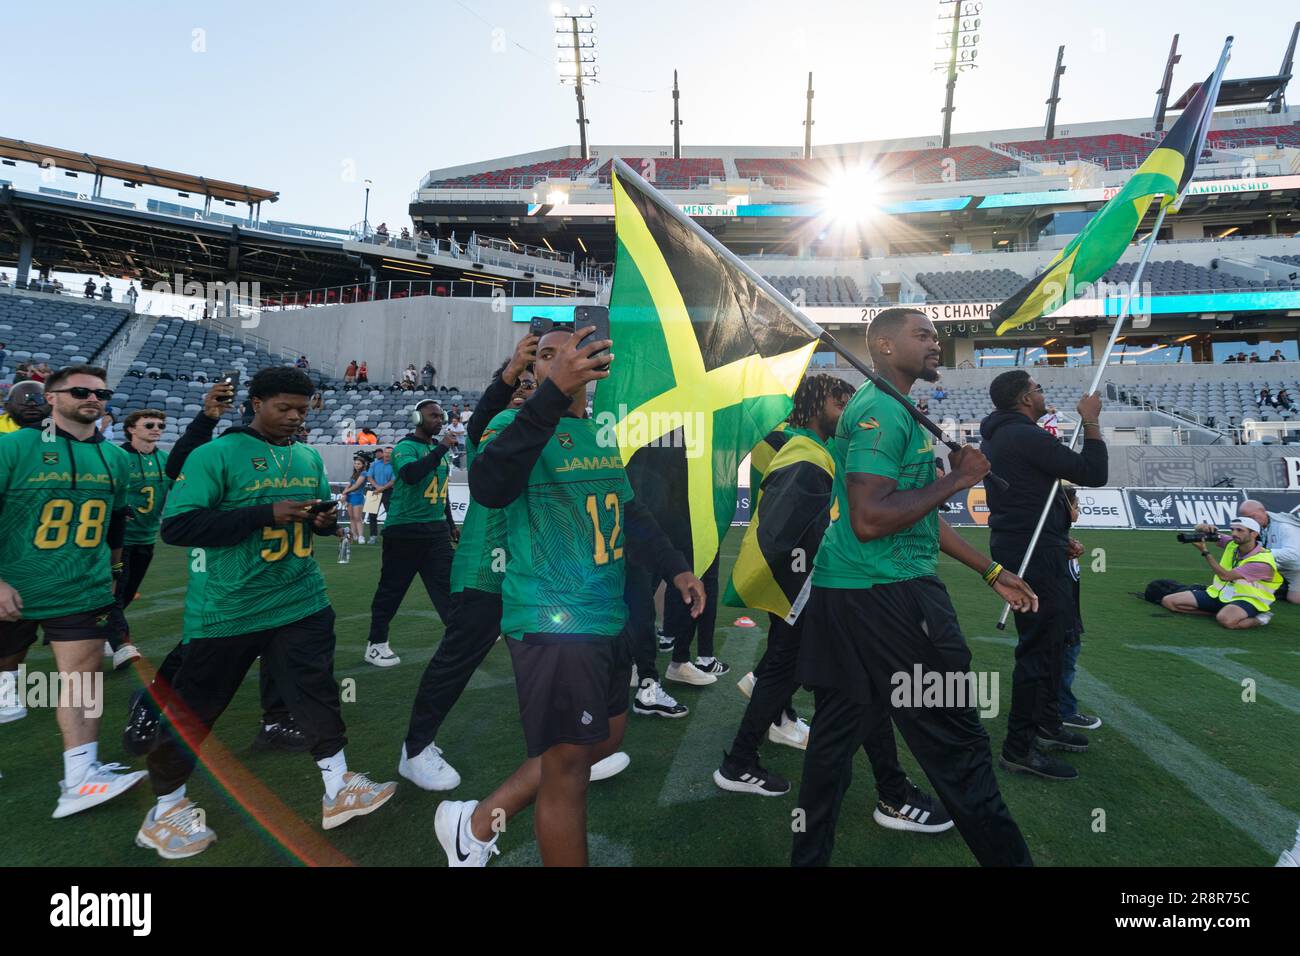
[[345, 546]]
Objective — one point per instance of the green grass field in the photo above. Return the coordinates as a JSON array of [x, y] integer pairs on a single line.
[[1184, 771]]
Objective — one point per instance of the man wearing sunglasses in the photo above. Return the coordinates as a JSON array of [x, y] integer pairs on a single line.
[[1032, 460], [63, 507], [24, 408]]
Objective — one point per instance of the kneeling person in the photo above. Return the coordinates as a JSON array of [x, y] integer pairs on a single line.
[[1245, 583]]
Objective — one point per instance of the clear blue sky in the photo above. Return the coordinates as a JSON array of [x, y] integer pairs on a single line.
[[312, 98]]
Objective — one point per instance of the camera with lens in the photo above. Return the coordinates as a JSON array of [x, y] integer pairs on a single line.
[[1191, 537]]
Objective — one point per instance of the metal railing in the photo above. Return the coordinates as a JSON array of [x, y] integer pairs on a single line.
[[485, 250], [412, 288]]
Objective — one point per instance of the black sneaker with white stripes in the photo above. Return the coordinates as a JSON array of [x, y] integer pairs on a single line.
[[918, 812], [711, 665], [665, 642], [749, 778]]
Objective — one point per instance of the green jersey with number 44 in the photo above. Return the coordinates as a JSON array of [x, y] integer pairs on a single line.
[[564, 535], [424, 501], [270, 578], [56, 499]]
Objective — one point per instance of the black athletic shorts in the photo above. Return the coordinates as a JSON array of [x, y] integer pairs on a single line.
[[17, 636], [569, 689]]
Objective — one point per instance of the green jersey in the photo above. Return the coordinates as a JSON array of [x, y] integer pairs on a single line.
[[480, 560], [876, 436], [146, 495], [564, 534], [56, 500], [271, 577], [423, 502]]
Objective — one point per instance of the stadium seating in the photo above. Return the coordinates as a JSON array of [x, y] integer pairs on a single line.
[[787, 173], [518, 176], [1175, 275], [57, 331], [181, 359], [1114, 150], [1229, 403], [973, 285], [1289, 260], [820, 290], [907, 165], [671, 173], [1255, 136]]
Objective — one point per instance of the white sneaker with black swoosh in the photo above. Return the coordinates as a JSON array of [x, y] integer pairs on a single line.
[[451, 825], [381, 655]]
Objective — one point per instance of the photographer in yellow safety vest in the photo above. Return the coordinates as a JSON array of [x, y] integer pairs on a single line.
[[1245, 583]]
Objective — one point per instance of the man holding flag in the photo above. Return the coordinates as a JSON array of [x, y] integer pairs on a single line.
[[878, 610]]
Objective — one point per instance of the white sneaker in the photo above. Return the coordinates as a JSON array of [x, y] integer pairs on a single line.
[[11, 707], [108, 649], [102, 783], [688, 673], [651, 701], [1289, 857], [381, 655], [792, 733], [427, 770], [125, 655], [746, 684], [634, 682], [451, 825], [1264, 618], [177, 834], [361, 539], [611, 766]]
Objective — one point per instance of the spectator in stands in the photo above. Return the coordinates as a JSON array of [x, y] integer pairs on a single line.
[[1277, 356], [90, 288], [350, 374], [246, 412], [22, 373], [1230, 359], [38, 373], [1283, 400], [425, 235], [4, 280], [1265, 397], [396, 386], [427, 374], [317, 403], [1254, 356], [106, 426], [923, 406], [302, 362], [363, 376], [367, 437], [1241, 357], [132, 293], [382, 233], [456, 428], [302, 436], [408, 376], [939, 393], [1243, 592], [3, 355], [106, 292], [406, 233], [1051, 422], [355, 495]]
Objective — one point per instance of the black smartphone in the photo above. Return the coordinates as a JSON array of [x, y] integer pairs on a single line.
[[540, 325], [597, 315], [230, 377], [321, 506]]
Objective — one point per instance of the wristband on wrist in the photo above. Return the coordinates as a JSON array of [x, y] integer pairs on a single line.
[[1093, 424], [991, 575]]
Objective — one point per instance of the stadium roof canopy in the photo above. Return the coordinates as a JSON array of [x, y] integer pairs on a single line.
[[17, 149], [1240, 92]]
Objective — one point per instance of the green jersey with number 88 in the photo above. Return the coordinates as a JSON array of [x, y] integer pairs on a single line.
[[56, 500], [271, 577]]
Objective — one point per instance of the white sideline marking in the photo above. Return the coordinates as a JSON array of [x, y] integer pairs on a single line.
[[1216, 659], [714, 718], [1238, 801]]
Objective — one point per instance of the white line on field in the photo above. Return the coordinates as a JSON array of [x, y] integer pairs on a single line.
[[714, 718], [1216, 659]]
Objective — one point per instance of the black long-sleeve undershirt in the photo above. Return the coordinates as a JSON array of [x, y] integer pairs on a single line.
[[415, 472], [495, 400], [198, 432], [500, 473]]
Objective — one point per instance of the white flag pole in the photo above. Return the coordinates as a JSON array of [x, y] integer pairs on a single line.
[[1125, 310]]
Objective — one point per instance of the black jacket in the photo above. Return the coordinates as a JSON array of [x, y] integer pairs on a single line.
[[1030, 459]]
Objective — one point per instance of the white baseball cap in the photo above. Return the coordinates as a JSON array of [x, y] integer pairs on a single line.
[[1249, 524]]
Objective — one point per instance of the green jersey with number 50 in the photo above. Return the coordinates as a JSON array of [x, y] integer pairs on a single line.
[[271, 577], [565, 570], [56, 499]]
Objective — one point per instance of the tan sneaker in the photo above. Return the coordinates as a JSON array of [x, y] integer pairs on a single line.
[[179, 834], [360, 795]]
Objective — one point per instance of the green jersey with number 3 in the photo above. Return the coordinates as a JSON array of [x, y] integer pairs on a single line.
[[56, 499], [564, 534], [146, 495], [270, 578]]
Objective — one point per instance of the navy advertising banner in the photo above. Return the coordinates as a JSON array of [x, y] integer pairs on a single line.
[[967, 509], [1171, 509], [1280, 501], [742, 507]]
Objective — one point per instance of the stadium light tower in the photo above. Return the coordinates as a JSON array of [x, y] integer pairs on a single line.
[[365, 216], [960, 22], [575, 42]]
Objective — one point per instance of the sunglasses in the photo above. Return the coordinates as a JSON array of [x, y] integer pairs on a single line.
[[81, 394], [152, 426]]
